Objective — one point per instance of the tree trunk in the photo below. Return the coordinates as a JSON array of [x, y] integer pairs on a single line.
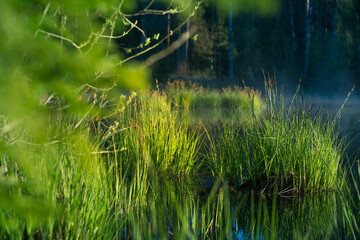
[[180, 54], [359, 57], [230, 46], [307, 38], [247, 44], [293, 35], [186, 55], [218, 52], [168, 29], [170, 58], [318, 37], [179, 59], [143, 21], [334, 34]]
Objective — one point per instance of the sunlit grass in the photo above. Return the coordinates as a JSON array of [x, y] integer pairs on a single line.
[[138, 172], [190, 96], [101, 172], [291, 148]]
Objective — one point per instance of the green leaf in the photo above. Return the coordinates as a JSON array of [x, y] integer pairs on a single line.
[[156, 36], [148, 41]]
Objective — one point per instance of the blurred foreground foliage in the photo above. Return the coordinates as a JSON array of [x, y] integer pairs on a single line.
[[51, 50], [55, 48]]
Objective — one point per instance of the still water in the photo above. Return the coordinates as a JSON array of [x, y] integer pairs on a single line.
[[313, 216], [325, 215], [332, 215], [225, 214]]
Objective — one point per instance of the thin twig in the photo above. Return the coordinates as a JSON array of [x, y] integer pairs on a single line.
[[62, 38], [44, 14], [147, 11], [175, 45], [119, 36], [135, 25], [154, 12], [162, 40]]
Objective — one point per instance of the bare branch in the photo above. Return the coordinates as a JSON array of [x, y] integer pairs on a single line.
[[62, 38], [135, 25], [175, 45], [153, 12], [149, 5], [147, 11], [120, 36], [162, 40]]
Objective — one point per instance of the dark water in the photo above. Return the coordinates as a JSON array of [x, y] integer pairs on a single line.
[[223, 214], [325, 215], [331, 215], [314, 216]]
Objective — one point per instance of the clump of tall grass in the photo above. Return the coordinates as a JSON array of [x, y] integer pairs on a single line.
[[291, 148], [103, 177], [190, 96], [148, 126]]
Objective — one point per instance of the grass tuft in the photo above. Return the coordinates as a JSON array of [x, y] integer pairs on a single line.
[[290, 148]]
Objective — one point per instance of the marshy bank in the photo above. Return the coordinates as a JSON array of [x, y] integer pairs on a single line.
[[137, 169]]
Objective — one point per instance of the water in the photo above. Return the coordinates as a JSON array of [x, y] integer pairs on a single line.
[[350, 117], [249, 215], [329, 215], [314, 216], [224, 214]]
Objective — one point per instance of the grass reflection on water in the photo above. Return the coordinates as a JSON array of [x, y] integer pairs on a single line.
[[181, 211]]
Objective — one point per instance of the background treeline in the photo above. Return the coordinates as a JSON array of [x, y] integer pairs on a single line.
[[315, 40]]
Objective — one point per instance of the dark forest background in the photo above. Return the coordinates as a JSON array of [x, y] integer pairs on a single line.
[[317, 41]]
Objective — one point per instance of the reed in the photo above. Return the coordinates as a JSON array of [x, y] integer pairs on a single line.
[[136, 173], [190, 96], [148, 126], [98, 180], [291, 148]]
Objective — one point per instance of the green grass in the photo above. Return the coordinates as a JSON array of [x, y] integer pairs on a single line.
[[291, 148], [189, 96], [137, 173], [148, 128], [99, 177]]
